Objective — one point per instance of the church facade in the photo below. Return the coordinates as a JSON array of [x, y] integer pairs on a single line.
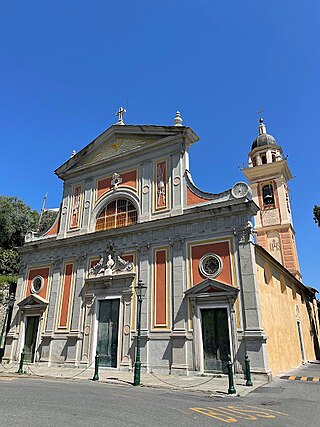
[[130, 211]]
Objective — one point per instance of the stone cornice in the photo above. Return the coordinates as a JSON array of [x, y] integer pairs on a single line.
[[190, 215], [269, 170]]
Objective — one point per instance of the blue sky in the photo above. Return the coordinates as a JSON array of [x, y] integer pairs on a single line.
[[66, 67]]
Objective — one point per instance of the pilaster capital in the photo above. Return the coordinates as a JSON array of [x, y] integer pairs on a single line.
[[244, 234]]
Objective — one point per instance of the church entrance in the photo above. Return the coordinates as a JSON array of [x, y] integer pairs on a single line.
[[108, 324], [215, 338], [32, 325]]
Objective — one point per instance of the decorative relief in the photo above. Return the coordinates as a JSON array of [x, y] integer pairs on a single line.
[[116, 181], [126, 329], [275, 246], [56, 262], [110, 263], [245, 234], [270, 217], [145, 189], [89, 298], [161, 184], [176, 181], [75, 207]]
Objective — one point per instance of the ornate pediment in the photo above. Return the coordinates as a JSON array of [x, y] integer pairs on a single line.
[[116, 142], [211, 287], [110, 264], [33, 302]]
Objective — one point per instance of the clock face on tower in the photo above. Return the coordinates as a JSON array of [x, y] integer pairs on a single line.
[[240, 189]]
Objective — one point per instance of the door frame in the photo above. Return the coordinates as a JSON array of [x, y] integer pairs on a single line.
[[199, 327], [96, 325], [38, 338], [301, 343]]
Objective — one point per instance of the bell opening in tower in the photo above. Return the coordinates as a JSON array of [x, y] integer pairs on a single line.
[[268, 195]]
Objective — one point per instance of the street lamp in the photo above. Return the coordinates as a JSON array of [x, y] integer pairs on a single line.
[[140, 292], [9, 303]]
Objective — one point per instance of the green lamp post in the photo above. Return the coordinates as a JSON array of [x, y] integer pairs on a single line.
[[140, 292], [9, 303]]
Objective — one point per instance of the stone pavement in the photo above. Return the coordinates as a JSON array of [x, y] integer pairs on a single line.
[[215, 385]]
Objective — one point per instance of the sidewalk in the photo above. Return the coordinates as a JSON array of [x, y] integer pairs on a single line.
[[206, 384]]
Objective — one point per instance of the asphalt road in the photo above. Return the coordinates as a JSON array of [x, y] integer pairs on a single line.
[[37, 402]]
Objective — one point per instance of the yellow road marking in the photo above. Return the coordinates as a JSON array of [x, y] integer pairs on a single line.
[[231, 414], [292, 377], [238, 413], [315, 379], [267, 409], [215, 413]]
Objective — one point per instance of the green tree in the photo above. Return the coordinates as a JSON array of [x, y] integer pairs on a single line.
[[16, 218], [47, 219], [316, 214]]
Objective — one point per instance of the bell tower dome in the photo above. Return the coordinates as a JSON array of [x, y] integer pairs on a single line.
[[268, 174]]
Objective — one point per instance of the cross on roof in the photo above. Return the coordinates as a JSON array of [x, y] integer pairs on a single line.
[[120, 113], [259, 112]]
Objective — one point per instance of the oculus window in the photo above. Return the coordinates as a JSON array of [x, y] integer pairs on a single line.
[[210, 265], [37, 284]]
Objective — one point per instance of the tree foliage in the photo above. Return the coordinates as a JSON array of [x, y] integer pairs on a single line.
[[9, 261], [47, 219], [316, 214], [16, 218]]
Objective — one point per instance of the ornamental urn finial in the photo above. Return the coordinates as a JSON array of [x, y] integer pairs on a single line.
[[178, 119]]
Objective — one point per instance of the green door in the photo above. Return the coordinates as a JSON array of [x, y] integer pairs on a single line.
[[107, 343], [32, 323], [215, 336]]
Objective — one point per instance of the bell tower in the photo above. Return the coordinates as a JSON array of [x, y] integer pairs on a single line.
[[268, 174]]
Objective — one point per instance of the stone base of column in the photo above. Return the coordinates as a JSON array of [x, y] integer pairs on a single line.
[[179, 370]]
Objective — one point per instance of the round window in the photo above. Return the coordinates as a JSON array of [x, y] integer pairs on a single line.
[[37, 284], [210, 265]]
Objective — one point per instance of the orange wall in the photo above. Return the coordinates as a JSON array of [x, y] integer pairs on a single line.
[[221, 249], [160, 287], [44, 272], [193, 199], [129, 179], [66, 295], [280, 300], [55, 228]]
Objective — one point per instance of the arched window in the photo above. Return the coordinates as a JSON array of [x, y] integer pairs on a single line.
[[267, 194], [263, 159], [119, 213]]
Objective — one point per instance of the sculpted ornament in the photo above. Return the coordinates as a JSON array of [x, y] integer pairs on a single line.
[[110, 263], [245, 234], [116, 181]]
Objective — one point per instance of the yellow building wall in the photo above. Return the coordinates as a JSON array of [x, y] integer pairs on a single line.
[[281, 307]]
